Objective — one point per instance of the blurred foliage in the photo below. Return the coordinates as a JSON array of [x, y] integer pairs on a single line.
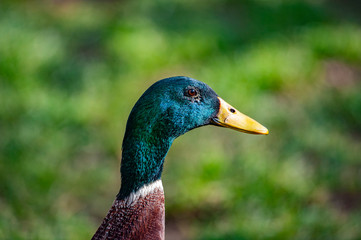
[[70, 72]]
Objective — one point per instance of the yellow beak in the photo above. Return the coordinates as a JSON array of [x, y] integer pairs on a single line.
[[230, 117]]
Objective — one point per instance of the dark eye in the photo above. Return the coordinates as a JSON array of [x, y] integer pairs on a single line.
[[192, 92]]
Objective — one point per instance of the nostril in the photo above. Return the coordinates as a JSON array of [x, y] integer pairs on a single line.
[[232, 110]]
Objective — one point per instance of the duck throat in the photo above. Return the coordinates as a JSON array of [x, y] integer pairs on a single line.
[[142, 162]]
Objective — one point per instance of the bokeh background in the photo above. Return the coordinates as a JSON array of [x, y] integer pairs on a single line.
[[70, 72]]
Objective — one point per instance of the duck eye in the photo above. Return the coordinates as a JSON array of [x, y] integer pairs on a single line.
[[192, 92]]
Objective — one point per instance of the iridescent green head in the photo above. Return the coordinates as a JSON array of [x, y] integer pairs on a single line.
[[168, 109]]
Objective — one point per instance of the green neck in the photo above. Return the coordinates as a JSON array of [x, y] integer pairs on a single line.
[[143, 155]]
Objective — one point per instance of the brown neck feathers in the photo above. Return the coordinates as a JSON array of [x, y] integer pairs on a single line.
[[141, 216]]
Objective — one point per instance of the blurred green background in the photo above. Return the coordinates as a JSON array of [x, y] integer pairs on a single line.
[[70, 72]]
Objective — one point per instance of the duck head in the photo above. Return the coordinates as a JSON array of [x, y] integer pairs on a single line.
[[168, 109]]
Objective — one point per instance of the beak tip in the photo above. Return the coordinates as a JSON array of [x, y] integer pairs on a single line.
[[265, 131]]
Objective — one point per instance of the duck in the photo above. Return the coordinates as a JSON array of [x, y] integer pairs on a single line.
[[167, 109]]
